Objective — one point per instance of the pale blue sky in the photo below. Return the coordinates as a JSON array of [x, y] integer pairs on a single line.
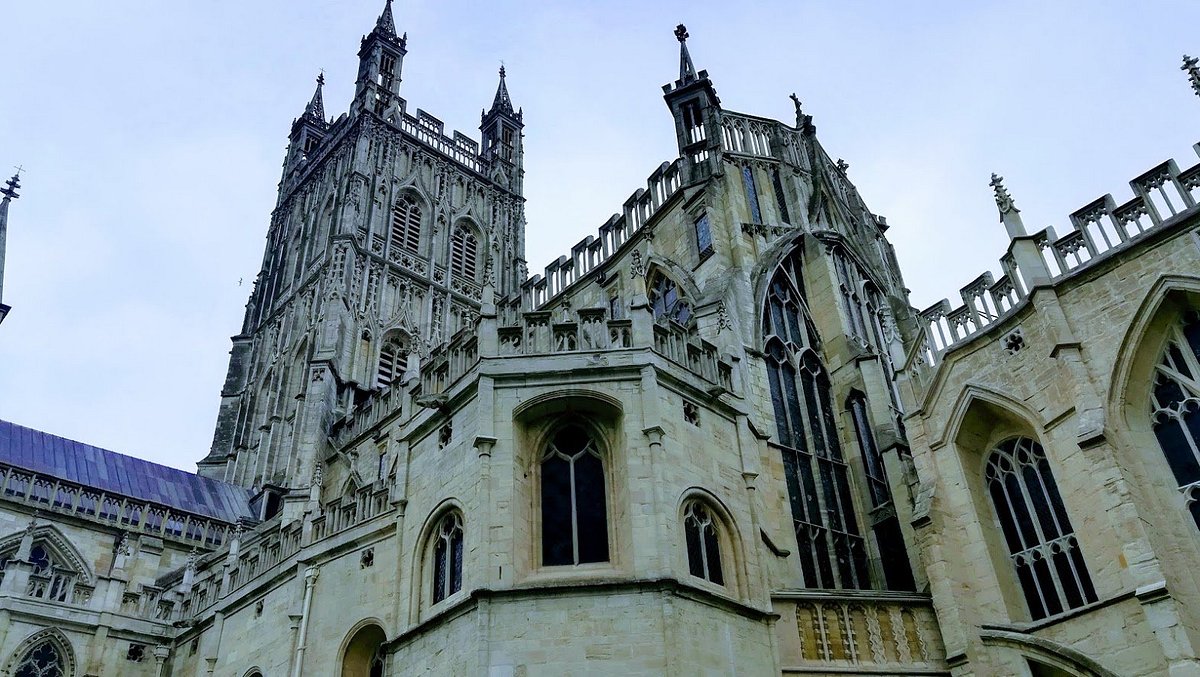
[[153, 134]]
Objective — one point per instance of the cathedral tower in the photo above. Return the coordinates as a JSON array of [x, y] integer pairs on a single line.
[[386, 232]]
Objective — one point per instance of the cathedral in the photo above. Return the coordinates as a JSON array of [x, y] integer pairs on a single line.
[[714, 438]]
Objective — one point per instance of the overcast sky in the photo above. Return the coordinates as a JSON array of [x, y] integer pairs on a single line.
[[153, 132]]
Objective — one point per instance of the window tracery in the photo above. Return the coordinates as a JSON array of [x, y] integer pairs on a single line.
[[703, 542], [448, 557], [43, 660], [832, 550], [574, 512], [393, 362], [667, 300], [1041, 542], [1175, 407]]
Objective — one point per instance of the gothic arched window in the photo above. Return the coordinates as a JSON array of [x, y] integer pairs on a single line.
[[574, 513], [393, 361], [464, 250], [43, 660], [447, 556], [832, 551], [701, 531], [1041, 542], [667, 300], [406, 225], [1175, 407]]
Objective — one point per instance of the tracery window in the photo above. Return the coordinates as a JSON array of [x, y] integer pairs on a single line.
[[832, 551], [448, 557], [43, 660], [1041, 542], [1175, 407], [49, 578], [406, 225], [703, 542], [574, 511], [463, 252], [704, 241], [667, 300], [751, 194], [393, 361]]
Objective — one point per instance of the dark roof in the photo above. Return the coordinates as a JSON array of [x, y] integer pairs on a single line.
[[115, 473]]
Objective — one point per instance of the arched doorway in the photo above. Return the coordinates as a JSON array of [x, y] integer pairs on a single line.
[[364, 653]]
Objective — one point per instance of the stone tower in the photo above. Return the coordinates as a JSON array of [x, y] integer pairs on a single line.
[[385, 235]]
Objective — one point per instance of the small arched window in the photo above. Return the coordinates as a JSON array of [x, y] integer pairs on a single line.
[[464, 250], [364, 655], [447, 557], [1175, 407], [574, 513], [1041, 541], [43, 660], [703, 538], [406, 225], [667, 300], [393, 361]]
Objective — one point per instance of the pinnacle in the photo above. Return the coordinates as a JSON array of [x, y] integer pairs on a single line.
[[386, 24]]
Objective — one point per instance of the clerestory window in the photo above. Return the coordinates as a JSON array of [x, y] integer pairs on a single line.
[[574, 510], [1041, 542], [1175, 407]]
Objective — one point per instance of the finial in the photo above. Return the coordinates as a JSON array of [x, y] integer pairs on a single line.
[[843, 166], [321, 78], [799, 111], [1004, 201], [314, 112], [12, 185], [501, 70], [386, 24], [687, 70], [1193, 70]]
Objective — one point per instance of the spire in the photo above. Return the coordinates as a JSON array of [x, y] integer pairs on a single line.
[[1193, 70], [1010, 216], [502, 103], [386, 25], [687, 70], [10, 193], [315, 110]]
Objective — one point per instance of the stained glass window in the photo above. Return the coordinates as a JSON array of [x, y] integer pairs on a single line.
[[447, 557], [666, 299], [43, 660], [1041, 542], [1175, 407], [574, 513], [832, 550], [751, 194]]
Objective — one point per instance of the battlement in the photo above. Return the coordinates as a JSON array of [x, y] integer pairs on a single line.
[[1099, 230], [430, 131]]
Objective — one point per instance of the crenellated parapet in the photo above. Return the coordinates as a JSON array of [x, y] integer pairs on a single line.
[[1162, 196]]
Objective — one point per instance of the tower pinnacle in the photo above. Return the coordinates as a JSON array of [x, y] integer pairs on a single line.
[[315, 110], [687, 70], [1191, 67], [385, 24], [1010, 216], [502, 103], [10, 193]]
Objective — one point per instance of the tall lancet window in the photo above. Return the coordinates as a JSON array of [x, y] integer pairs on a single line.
[[832, 551], [574, 515], [406, 225], [464, 249], [1175, 407], [1041, 541]]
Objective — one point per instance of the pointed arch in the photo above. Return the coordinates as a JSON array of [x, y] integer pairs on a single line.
[[363, 652], [52, 652], [669, 298], [465, 256], [974, 395], [406, 221], [61, 549], [1046, 651], [439, 573], [725, 540], [392, 361]]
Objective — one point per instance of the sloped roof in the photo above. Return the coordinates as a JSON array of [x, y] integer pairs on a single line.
[[115, 473]]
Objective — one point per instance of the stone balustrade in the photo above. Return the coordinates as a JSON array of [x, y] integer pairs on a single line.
[[858, 632], [591, 252], [54, 495], [1098, 230]]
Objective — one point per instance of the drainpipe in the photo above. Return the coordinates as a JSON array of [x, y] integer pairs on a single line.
[[310, 581]]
